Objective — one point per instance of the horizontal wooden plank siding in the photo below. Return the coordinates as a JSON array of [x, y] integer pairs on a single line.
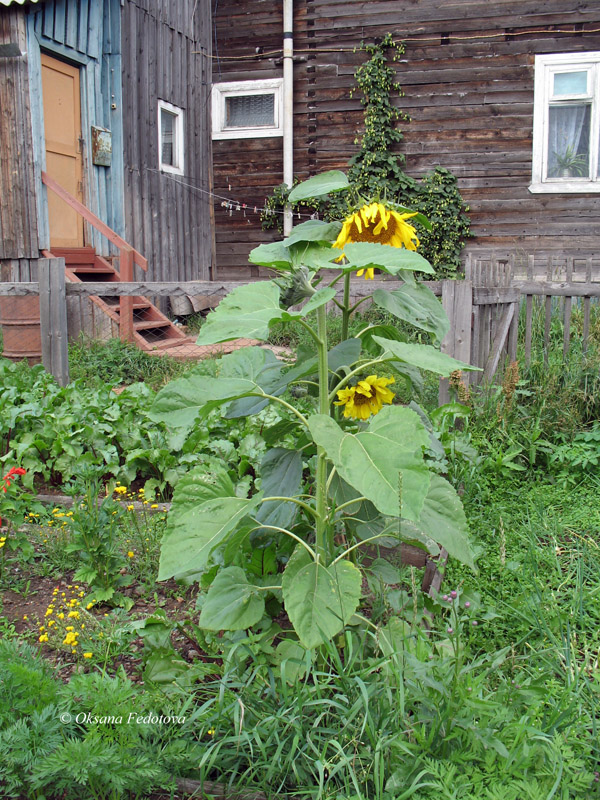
[[18, 219], [166, 56], [467, 75], [245, 170]]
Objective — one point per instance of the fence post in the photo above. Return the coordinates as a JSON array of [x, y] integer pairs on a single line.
[[457, 300], [53, 318], [126, 303]]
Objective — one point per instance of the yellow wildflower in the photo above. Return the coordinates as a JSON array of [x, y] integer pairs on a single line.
[[130, 554], [87, 655]]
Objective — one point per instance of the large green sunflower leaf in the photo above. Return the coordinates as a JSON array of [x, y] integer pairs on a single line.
[[415, 304], [182, 401], [245, 312], [314, 230], [319, 298], [362, 255], [423, 356], [319, 185], [316, 256], [274, 255], [232, 603], [249, 311], [204, 512], [373, 460], [255, 364], [319, 600], [293, 660], [443, 520], [281, 476]]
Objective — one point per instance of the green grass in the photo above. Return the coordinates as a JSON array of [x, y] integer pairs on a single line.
[[97, 362]]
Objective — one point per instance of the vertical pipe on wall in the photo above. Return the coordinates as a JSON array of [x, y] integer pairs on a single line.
[[288, 106]]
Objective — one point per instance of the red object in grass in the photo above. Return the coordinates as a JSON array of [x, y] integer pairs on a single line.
[[11, 475]]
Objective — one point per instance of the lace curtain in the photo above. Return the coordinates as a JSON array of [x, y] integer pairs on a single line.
[[569, 141]]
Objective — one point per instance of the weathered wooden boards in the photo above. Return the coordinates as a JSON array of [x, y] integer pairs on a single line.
[[53, 318], [467, 77], [18, 220], [166, 49], [566, 280]]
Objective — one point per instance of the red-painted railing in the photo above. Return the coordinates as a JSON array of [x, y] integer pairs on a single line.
[[127, 254]]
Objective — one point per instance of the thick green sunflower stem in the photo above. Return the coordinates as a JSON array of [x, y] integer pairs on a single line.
[[346, 307], [323, 547]]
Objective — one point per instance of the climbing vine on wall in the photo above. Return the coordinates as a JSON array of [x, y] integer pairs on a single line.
[[377, 169]]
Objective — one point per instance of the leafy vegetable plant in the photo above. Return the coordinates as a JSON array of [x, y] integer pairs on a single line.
[[348, 467]]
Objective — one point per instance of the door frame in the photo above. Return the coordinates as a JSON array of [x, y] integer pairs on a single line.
[[82, 61], [80, 144]]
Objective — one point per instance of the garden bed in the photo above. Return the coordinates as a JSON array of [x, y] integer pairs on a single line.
[[497, 695]]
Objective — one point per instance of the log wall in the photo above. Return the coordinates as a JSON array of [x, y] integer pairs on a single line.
[[467, 75], [166, 55]]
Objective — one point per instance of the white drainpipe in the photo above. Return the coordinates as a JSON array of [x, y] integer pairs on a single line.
[[288, 106]]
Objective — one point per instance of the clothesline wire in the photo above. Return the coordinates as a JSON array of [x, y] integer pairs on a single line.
[[405, 40], [231, 202]]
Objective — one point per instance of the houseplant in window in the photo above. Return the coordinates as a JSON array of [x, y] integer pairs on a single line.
[[570, 163], [344, 464]]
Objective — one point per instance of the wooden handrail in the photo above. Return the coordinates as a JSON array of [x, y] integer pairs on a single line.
[[90, 217]]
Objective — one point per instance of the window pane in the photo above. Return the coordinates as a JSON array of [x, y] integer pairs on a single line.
[[570, 83], [569, 141], [250, 111], [167, 138]]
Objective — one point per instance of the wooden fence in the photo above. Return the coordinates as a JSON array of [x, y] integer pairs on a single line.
[[483, 309]]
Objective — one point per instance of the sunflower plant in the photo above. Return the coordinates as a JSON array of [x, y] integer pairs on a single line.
[[347, 466]]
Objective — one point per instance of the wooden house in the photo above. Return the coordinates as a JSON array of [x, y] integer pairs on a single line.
[[497, 93], [105, 142]]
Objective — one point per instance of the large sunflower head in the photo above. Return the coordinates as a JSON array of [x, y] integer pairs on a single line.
[[366, 398], [378, 224]]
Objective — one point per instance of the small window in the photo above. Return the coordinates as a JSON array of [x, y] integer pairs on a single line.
[[245, 109], [170, 138], [566, 123]]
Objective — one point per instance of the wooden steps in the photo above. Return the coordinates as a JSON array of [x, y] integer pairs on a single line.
[[151, 328]]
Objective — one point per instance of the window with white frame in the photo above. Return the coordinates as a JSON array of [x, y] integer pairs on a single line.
[[170, 138], [566, 123], [247, 109]]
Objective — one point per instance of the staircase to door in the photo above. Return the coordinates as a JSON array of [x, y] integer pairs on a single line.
[[151, 329]]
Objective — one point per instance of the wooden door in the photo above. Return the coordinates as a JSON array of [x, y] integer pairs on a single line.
[[64, 157]]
